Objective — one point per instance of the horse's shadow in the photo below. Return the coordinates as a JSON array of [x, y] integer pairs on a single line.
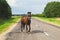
[[32, 32], [18, 33], [37, 31]]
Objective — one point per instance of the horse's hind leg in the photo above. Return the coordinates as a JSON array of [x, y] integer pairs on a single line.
[[21, 28]]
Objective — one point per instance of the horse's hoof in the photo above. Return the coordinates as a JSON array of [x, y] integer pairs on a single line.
[[28, 31], [21, 31]]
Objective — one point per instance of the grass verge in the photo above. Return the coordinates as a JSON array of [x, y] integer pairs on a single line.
[[5, 24], [49, 20]]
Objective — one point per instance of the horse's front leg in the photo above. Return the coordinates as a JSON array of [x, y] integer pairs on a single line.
[[29, 28], [21, 27]]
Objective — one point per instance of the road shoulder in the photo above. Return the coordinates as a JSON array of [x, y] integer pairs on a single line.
[[2, 36], [46, 22]]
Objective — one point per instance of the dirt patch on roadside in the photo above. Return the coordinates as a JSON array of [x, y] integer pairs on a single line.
[[57, 18]]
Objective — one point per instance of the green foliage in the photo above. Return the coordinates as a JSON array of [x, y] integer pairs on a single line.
[[5, 24], [38, 15], [52, 21], [52, 9], [5, 10]]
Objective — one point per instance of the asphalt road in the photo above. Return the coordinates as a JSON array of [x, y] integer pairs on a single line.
[[39, 31]]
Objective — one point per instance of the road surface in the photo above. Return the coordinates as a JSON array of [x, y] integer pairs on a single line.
[[39, 31]]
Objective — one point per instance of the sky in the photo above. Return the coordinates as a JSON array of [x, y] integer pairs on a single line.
[[24, 6]]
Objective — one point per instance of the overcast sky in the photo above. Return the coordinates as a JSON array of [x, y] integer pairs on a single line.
[[23, 6]]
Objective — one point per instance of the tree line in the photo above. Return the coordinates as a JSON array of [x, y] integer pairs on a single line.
[[5, 10], [52, 9]]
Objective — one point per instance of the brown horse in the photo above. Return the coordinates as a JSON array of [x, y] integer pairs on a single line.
[[25, 21]]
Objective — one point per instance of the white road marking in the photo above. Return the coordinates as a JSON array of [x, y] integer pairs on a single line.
[[46, 33], [37, 25]]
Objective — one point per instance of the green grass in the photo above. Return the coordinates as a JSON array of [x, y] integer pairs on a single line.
[[49, 20], [5, 24]]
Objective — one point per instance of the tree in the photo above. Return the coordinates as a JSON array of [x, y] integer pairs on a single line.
[[5, 10], [52, 9]]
